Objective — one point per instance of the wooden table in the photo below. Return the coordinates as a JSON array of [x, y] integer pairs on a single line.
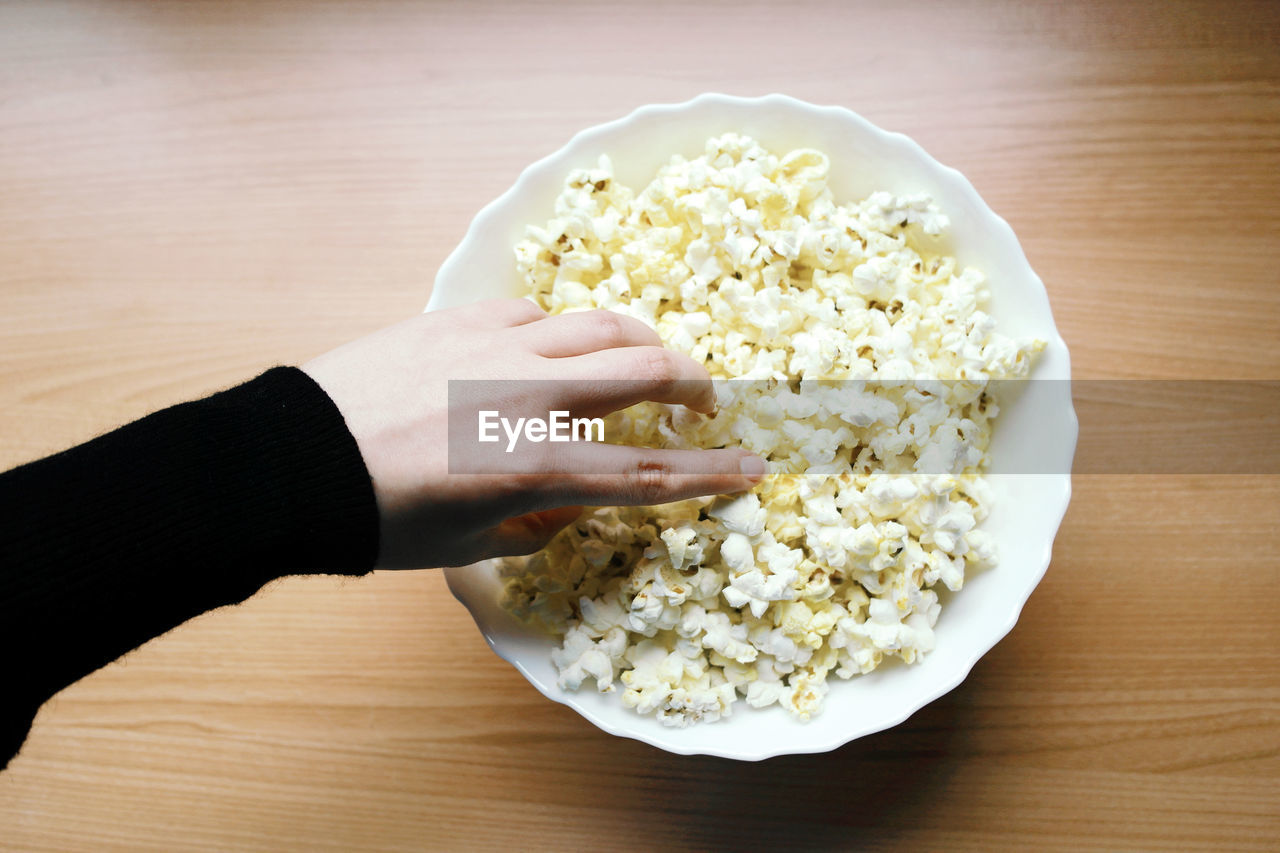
[[191, 192]]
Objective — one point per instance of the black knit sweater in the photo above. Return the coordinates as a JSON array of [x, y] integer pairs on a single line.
[[116, 541]]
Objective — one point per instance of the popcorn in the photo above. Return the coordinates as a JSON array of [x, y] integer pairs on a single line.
[[582, 656], [742, 515], [682, 548], [737, 554], [870, 360], [752, 589]]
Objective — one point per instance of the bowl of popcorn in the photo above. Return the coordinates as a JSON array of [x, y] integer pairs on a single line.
[[876, 333]]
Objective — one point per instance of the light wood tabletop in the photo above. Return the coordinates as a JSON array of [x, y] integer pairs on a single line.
[[191, 192]]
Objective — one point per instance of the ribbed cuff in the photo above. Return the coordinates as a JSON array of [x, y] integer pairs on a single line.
[[303, 494]]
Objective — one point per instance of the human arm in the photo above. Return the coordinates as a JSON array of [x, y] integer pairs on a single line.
[[120, 539], [335, 468]]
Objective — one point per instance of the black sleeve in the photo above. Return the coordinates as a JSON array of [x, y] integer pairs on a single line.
[[117, 540]]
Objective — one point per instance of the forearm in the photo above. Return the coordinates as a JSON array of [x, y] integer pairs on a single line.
[[118, 540]]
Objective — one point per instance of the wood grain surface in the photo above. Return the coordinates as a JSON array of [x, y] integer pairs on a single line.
[[193, 191]]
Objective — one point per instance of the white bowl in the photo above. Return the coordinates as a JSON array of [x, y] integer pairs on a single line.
[[1036, 432]]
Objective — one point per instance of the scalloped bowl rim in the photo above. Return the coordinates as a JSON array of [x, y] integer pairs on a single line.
[[476, 586]]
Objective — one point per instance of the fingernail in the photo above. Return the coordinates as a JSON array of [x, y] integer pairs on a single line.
[[752, 467]]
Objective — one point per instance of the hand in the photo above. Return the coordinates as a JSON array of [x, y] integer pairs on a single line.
[[392, 389]]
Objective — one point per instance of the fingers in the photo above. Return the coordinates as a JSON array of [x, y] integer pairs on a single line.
[[525, 534], [585, 332], [633, 476], [500, 313], [629, 477], [602, 382]]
